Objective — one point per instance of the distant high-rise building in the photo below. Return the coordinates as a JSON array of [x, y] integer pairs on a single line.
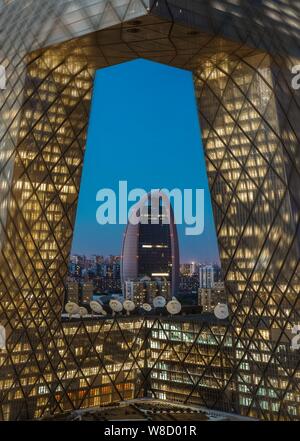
[[87, 292], [150, 248], [194, 268], [208, 298], [145, 290], [116, 270], [72, 291], [189, 269], [209, 275], [185, 269], [135, 291], [189, 283]]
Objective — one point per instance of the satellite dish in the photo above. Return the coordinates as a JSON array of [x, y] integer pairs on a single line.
[[72, 308], [159, 302], [115, 305], [83, 311], [146, 307], [97, 307], [129, 306], [2, 337], [174, 307], [221, 311]]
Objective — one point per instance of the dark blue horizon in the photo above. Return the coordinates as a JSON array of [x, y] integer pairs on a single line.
[[144, 129]]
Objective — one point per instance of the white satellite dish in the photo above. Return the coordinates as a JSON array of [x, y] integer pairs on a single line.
[[159, 302], [96, 307], [72, 308], [174, 307], [221, 311], [147, 307], [115, 305], [129, 306], [83, 311], [2, 337]]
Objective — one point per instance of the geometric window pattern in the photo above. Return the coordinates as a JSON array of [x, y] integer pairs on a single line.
[[249, 116]]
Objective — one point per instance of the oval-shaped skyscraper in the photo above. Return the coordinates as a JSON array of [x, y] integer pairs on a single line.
[[150, 252]]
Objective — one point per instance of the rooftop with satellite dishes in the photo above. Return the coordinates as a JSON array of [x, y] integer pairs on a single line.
[[119, 308], [116, 306]]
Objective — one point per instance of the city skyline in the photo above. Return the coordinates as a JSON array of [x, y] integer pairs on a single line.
[[143, 276], [107, 256]]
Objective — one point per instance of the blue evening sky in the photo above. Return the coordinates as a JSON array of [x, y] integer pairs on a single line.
[[144, 129]]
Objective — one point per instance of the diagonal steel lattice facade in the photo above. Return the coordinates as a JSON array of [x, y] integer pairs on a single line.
[[241, 54]]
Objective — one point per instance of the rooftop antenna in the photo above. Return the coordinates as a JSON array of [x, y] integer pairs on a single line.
[[147, 307], [174, 306], [129, 306], [115, 306], [221, 311], [83, 311], [72, 308], [97, 307], [159, 302]]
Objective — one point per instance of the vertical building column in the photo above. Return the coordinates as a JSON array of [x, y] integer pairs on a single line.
[[39, 219], [250, 139]]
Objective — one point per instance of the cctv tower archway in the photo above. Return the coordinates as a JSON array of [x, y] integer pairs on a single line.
[[250, 126]]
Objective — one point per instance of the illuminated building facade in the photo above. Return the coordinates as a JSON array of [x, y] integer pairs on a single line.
[[72, 291], [249, 116], [150, 247], [87, 292], [208, 298], [145, 290], [188, 269], [209, 275], [114, 372]]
